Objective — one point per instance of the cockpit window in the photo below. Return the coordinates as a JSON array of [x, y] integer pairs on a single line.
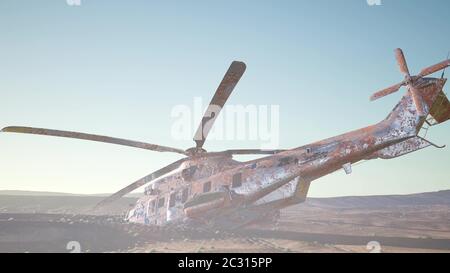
[[188, 173]]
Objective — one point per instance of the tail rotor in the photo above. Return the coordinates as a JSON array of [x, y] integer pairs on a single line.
[[410, 80]]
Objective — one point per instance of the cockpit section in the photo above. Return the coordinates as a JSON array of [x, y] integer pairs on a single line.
[[165, 197]]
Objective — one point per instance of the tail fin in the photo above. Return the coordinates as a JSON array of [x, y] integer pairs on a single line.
[[440, 109]]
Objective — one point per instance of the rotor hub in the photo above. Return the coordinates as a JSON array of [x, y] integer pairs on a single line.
[[195, 151]]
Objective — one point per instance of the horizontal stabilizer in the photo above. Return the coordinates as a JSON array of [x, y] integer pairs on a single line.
[[402, 148]]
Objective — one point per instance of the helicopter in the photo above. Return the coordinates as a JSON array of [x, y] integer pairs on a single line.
[[214, 189]]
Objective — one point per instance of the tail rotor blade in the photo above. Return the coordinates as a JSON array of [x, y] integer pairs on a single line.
[[417, 99], [434, 68], [386, 91], [401, 61]]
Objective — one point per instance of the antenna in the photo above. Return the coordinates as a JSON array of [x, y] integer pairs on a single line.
[[443, 72]]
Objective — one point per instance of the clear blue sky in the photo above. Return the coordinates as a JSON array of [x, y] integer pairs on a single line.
[[119, 67]]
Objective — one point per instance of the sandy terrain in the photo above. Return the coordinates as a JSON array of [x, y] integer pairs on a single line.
[[410, 223]]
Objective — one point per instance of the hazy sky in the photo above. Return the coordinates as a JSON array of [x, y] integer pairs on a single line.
[[118, 68]]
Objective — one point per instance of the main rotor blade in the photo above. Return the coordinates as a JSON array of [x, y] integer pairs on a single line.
[[242, 152], [91, 137], [253, 151], [417, 99], [139, 183], [386, 91], [434, 68], [224, 90], [401, 61]]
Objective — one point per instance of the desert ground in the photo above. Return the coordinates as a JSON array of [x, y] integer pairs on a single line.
[[52, 222]]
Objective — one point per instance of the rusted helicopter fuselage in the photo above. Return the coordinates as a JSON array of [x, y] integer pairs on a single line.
[[232, 193], [211, 187]]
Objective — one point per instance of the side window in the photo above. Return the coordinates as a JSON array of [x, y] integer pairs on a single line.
[[207, 186], [172, 200], [184, 195], [161, 202], [237, 180], [149, 207], [152, 206]]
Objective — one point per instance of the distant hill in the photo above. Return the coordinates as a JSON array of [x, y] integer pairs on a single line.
[[34, 193], [13, 201], [48, 193], [382, 201], [56, 202]]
